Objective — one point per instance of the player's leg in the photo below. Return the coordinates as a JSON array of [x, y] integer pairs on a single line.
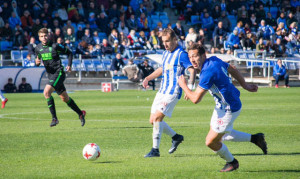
[[51, 105], [3, 99], [71, 103]]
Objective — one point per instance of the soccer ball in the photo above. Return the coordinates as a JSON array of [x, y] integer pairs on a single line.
[[91, 151]]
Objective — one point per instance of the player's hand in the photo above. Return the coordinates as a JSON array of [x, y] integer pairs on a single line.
[[186, 97], [145, 83], [182, 81], [251, 87], [37, 61], [68, 68]]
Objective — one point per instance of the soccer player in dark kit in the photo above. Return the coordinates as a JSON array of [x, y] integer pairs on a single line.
[[48, 52]]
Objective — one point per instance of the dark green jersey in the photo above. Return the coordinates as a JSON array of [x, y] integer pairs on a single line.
[[50, 56]]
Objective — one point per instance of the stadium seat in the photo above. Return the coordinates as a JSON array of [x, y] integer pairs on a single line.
[[159, 51], [266, 9], [107, 64], [98, 65], [64, 63], [16, 56], [24, 53], [5, 45], [242, 55], [77, 66], [273, 11], [88, 65], [195, 20], [150, 52]]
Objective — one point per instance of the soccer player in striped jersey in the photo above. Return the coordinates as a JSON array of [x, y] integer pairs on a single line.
[[214, 78], [174, 62], [48, 52]]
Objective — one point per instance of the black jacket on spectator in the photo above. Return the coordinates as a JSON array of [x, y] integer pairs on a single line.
[[88, 39], [132, 24], [146, 70], [25, 88], [10, 88], [179, 32], [102, 24], [31, 49], [117, 64], [219, 32], [279, 50], [107, 49]]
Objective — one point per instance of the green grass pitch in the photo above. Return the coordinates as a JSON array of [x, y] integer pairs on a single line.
[[118, 123]]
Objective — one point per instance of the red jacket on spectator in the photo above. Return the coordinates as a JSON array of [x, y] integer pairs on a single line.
[[26, 21]]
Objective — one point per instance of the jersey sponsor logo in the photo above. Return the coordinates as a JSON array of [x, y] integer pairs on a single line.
[[47, 56]]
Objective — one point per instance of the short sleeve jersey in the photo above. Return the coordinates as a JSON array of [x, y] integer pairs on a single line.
[[173, 64], [214, 78], [50, 56]]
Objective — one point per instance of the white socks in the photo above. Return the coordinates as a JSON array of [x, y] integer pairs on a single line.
[[237, 136], [224, 153], [158, 129], [1, 96], [167, 129]]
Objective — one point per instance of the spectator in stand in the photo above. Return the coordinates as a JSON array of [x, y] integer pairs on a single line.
[[45, 24], [62, 13], [60, 41], [242, 11], [126, 53], [129, 12], [281, 18], [143, 39], [10, 87], [280, 73], [216, 13], [37, 9], [56, 17], [232, 7], [143, 23], [92, 21], [67, 26], [290, 19], [154, 41], [26, 21], [253, 22], [219, 35], [132, 71], [225, 21], [158, 5], [271, 21], [113, 37], [15, 8], [260, 46], [114, 13], [102, 22], [6, 33], [123, 37], [247, 29], [24, 87], [111, 26], [80, 32], [279, 49], [31, 48], [1, 22], [282, 30], [82, 48], [233, 41], [14, 20], [70, 37], [122, 28], [106, 49], [55, 24], [83, 13], [261, 13], [18, 37], [96, 37], [141, 10], [250, 42], [149, 6], [87, 37], [244, 18], [117, 64], [207, 23], [190, 38], [265, 31], [6, 10], [201, 37], [132, 23], [292, 39], [73, 13], [188, 12], [134, 41], [179, 31], [57, 34]]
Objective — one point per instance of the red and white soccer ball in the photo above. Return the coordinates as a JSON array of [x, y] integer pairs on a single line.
[[91, 151]]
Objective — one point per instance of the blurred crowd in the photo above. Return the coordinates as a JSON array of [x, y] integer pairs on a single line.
[[107, 27]]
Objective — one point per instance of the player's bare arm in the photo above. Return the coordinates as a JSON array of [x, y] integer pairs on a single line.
[[238, 76], [157, 73], [195, 96]]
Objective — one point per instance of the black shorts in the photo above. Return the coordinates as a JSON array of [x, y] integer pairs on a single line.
[[56, 80]]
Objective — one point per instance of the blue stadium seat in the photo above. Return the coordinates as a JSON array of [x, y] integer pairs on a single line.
[[16, 56], [150, 52], [77, 66], [88, 65], [65, 63], [195, 20], [159, 51], [266, 9], [98, 65], [273, 11], [107, 64], [5, 45], [24, 53]]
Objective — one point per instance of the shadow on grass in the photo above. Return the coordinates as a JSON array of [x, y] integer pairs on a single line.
[[107, 162], [283, 171], [253, 154]]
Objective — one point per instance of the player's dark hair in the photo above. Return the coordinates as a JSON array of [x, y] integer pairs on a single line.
[[196, 46], [43, 31], [170, 32]]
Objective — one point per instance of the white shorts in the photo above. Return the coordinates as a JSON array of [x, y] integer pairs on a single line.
[[164, 103], [222, 121]]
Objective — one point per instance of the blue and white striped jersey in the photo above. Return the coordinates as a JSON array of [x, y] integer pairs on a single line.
[[173, 64]]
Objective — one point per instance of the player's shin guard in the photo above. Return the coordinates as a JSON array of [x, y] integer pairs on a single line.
[[237, 136], [51, 106], [71, 103], [158, 128], [167, 129], [225, 154]]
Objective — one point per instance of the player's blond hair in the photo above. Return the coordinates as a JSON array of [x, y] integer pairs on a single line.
[[43, 31]]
